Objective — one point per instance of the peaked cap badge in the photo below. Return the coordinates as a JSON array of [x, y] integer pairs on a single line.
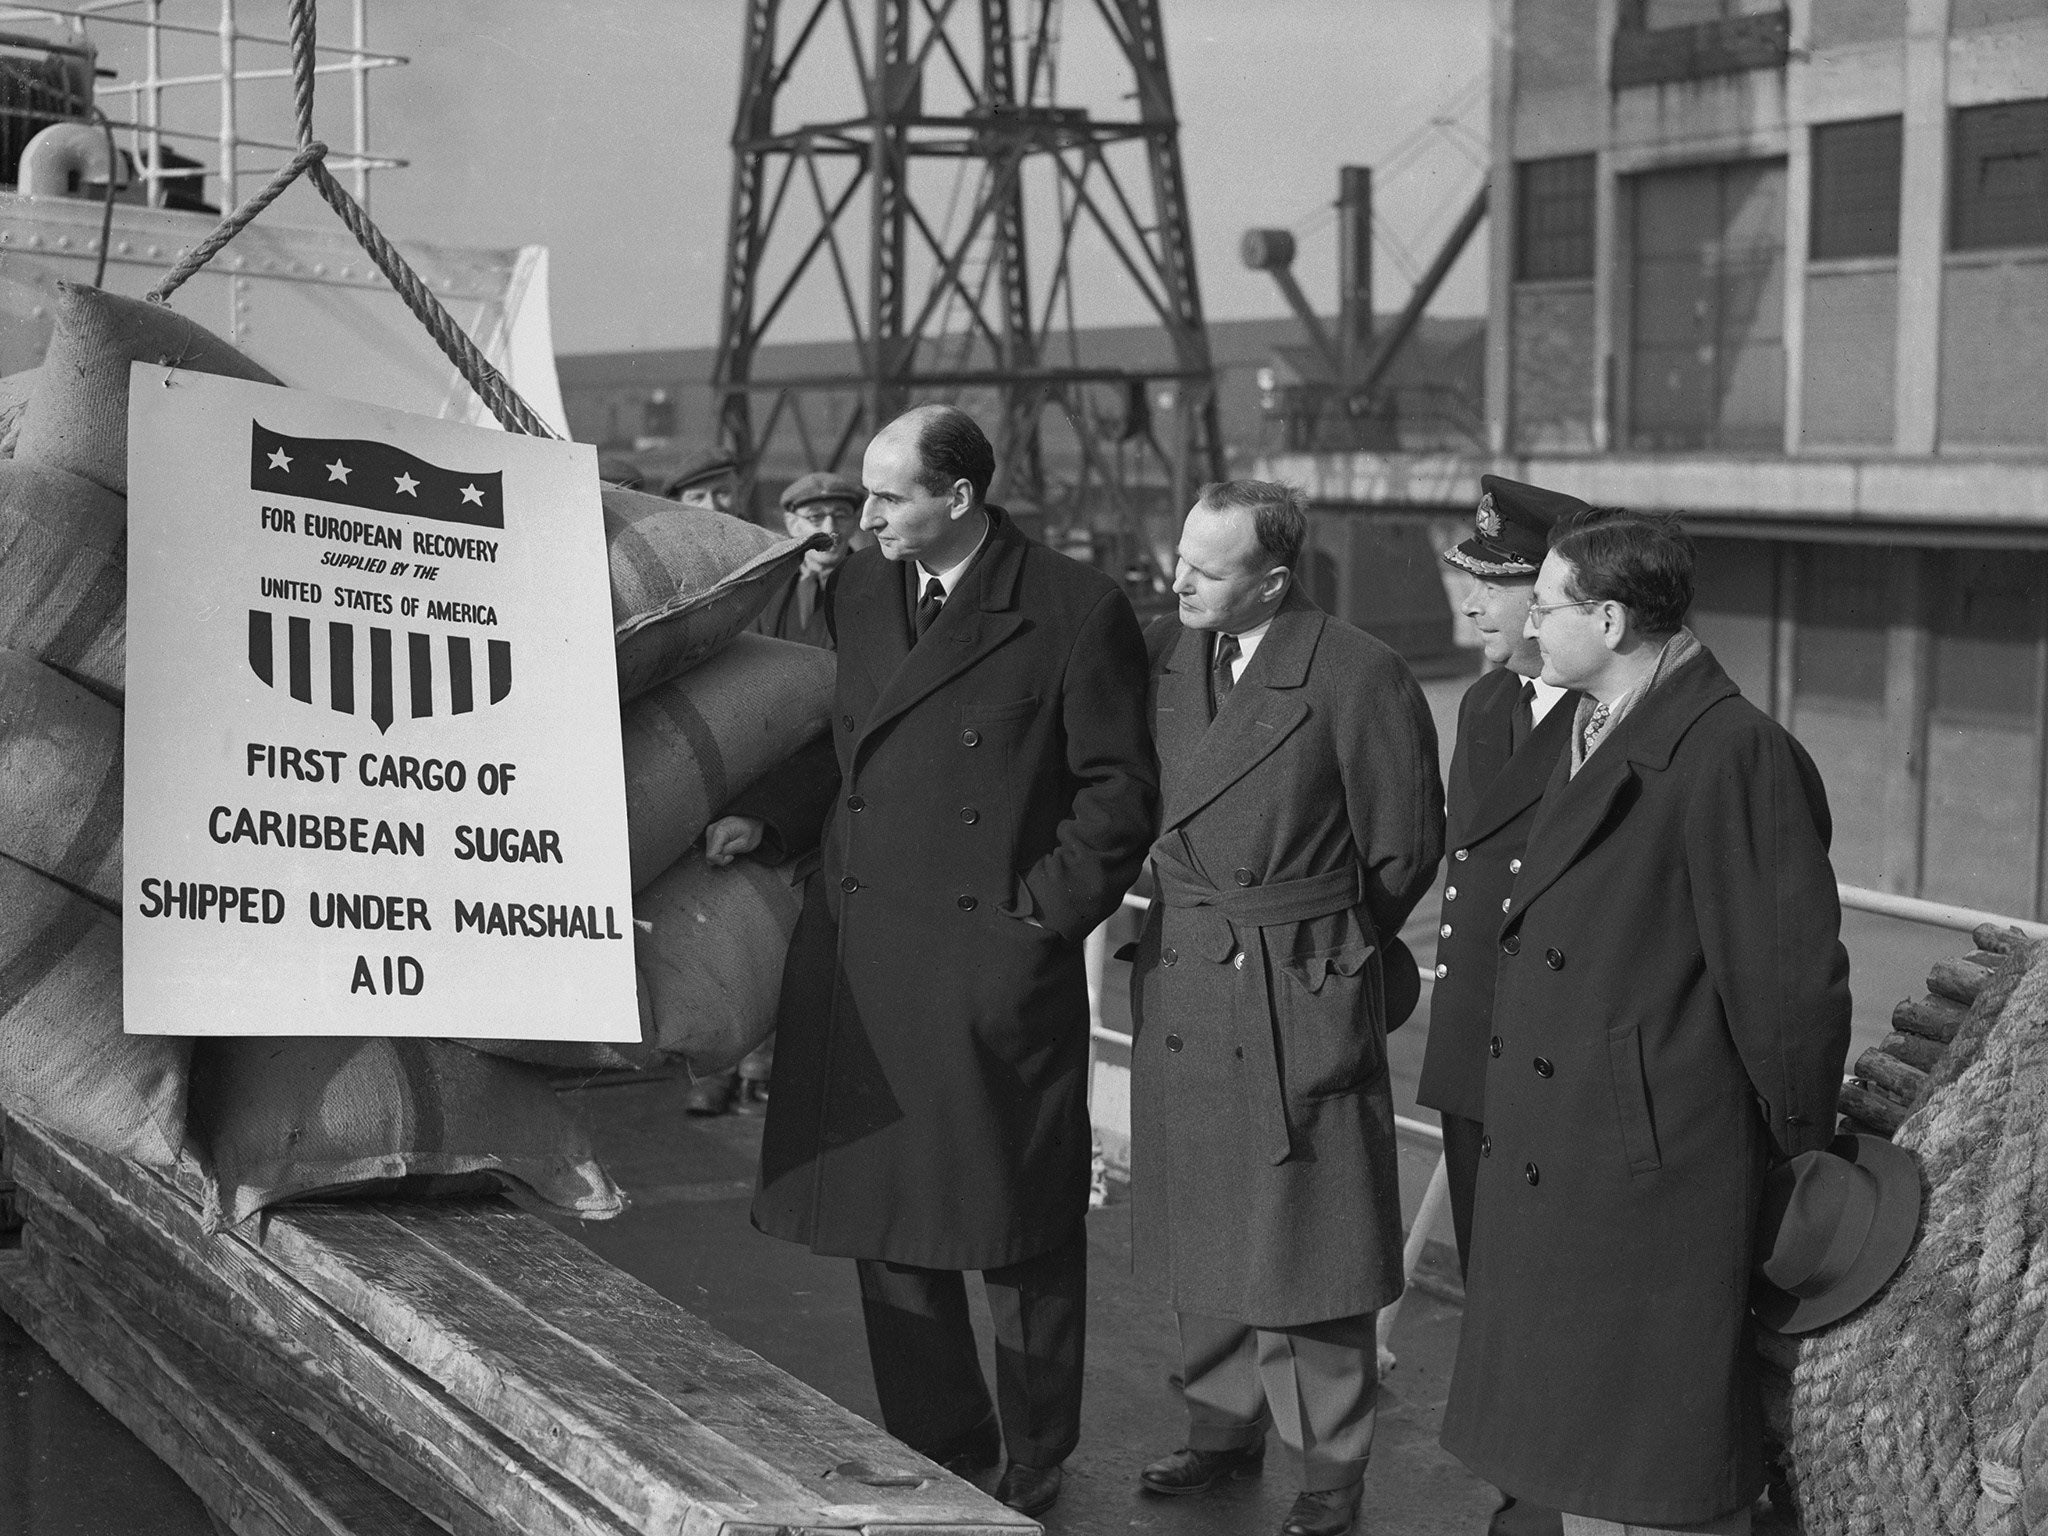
[[1489, 518]]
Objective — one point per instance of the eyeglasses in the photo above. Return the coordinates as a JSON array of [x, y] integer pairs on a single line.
[[1537, 610], [824, 516]]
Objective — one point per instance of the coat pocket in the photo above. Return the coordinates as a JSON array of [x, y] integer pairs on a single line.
[[1632, 1099], [1327, 1015]]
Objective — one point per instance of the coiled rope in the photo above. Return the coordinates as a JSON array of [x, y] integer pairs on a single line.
[[491, 386]]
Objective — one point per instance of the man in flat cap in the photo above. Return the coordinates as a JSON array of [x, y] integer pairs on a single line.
[[1511, 732], [821, 502], [706, 479]]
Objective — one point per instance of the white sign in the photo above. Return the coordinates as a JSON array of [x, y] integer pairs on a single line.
[[374, 784]]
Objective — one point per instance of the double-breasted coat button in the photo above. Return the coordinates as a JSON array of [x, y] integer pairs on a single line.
[[1173, 1042], [1450, 893], [970, 738], [969, 814], [847, 721], [1554, 958], [1543, 1066], [1512, 944], [1493, 1046], [968, 903], [1532, 1173], [1240, 1053], [1169, 956], [855, 803], [1460, 855], [848, 884], [1243, 877], [1486, 1146], [1442, 971], [1239, 961], [1514, 866], [1444, 932], [1506, 902]]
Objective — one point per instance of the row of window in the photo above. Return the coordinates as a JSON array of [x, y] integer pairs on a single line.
[[1998, 192]]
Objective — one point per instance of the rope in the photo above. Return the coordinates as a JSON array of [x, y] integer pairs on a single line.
[[491, 386], [235, 222]]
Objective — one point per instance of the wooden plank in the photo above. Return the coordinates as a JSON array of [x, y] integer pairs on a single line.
[[364, 1401], [690, 1432], [1961, 979], [1892, 1076], [1883, 1115], [254, 1466], [1935, 1018], [1914, 1050]]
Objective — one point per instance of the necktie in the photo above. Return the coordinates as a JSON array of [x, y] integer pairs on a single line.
[[929, 605], [1222, 672], [1596, 724], [1525, 718], [809, 589]]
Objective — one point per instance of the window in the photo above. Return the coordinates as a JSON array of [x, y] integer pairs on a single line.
[[2000, 192], [1856, 189], [1554, 218], [658, 416]]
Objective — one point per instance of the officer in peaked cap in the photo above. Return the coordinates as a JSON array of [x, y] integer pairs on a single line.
[[1511, 733], [705, 480]]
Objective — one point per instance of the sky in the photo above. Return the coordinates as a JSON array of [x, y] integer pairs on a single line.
[[601, 129]]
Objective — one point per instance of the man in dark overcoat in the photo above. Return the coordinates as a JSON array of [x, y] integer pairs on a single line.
[[997, 793], [1512, 728], [1302, 819], [1671, 1015]]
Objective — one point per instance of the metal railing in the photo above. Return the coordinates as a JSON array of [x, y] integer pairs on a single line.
[[1436, 1196]]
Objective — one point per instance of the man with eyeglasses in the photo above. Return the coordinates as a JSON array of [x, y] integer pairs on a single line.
[[1671, 1014], [1511, 731], [821, 502]]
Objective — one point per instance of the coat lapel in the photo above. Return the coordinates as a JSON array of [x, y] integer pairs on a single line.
[[1575, 809], [1208, 756], [979, 616], [1522, 778]]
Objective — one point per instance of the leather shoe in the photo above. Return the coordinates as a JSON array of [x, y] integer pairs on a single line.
[[973, 1453], [1029, 1490], [1191, 1471], [711, 1095], [1326, 1512]]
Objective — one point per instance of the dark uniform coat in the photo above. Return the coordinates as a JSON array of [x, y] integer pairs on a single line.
[[930, 1099], [782, 616], [1672, 1010], [1490, 805], [1297, 831]]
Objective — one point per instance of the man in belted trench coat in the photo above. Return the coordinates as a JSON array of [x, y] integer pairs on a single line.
[[1302, 818], [997, 792], [1511, 731], [1671, 1014]]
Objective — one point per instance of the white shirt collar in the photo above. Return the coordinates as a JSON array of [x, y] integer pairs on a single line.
[[950, 577], [1247, 642], [1547, 695]]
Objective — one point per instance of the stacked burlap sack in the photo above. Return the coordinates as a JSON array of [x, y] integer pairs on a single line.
[[1926, 1412], [706, 711]]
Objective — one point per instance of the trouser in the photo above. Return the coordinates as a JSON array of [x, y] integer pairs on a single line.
[[928, 1369], [1736, 1524], [1514, 1517], [1317, 1384]]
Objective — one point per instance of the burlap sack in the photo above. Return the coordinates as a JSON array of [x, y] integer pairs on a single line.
[[77, 416], [685, 580], [15, 389], [60, 777], [63, 1059], [64, 573], [713, 959], [286, 1118], [693, 743]]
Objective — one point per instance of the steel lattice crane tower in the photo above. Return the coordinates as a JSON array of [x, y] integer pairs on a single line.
[[893, 161]]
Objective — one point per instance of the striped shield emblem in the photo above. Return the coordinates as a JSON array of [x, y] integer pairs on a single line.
[[454, 692]]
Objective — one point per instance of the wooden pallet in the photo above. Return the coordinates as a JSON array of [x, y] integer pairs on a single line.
[[466, 1364]]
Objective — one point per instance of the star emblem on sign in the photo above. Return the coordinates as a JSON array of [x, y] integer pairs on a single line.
[[338, 471], [279, 459], [407, 486], [1489, 517]]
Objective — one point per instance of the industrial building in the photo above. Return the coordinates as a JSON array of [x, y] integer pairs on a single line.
[[1784, 270]]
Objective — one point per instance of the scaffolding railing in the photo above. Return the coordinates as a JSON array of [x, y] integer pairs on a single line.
[[145, 122]]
